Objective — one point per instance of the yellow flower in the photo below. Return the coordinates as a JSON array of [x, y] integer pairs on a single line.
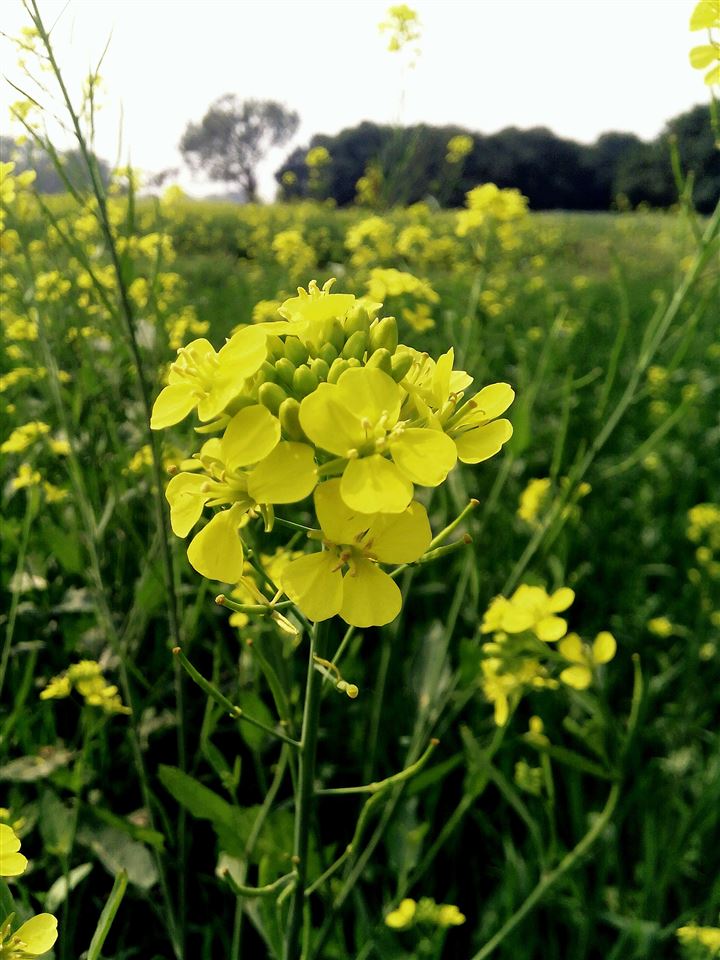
[[584, 658], [317, 157], [477, 432], [12, 862], [529, 608], [402, 917], [448, 915], [250, 466], [358, 418], [25, 477], [33, 939], [661, 627], [202, 378], [364, 596], [706, 15], [87, 678], [532, 499], [503, 683], [458, 148], [707, 937], [23, 437]]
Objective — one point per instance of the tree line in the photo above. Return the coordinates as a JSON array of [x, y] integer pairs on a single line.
[[412, 164]]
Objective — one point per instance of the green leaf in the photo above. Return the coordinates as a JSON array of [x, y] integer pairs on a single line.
[[197, 799], [60, 889], [57, 824], [117, 852]]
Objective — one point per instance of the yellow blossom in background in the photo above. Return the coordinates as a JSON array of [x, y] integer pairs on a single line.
[[706, 16], [23, 437], [458, 148], [529, 608], [533, 499], [317, 157], [25, 477], [584, 658], [402, 27], [706, 938], [503, 683], [424, 912], [87, 678], [661, 627], [402, 917]]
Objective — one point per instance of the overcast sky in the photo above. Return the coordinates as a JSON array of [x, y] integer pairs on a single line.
[[580, 67]]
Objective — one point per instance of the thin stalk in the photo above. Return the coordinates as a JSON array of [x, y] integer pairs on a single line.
[[304, 795], [30, 505]]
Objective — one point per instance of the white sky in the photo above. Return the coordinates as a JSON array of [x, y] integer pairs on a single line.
[[580, 67]]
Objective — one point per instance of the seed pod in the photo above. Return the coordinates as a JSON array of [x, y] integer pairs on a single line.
[[384, 334], [338, 367], [271, 395], [290, 420], [401, 363], [328, 353], [357, 319], [304, 380], [320, 368], [295, 351], [382, 360], [356, 345], [285, 370]]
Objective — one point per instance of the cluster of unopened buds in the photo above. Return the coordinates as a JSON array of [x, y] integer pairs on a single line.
[[324, 402]]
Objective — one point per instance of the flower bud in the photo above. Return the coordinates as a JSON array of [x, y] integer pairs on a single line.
[[382, 360], [275, 348], [328, 353], [357, 320], [338, 367], [290, 419], [271, 395], [295, 351], [267, 372], [356, 345], [320, 368], [384, 334], [401, 363], [304, 380], [336, 335], [285, 370]]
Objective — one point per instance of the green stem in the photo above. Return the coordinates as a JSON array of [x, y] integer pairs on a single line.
[[304, 796], [237, 712], [30, 505], [242, 890]]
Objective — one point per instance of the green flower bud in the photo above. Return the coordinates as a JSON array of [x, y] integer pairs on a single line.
[[285, 370], [320, 368], [356, 345], [338, 367], [271, 395], [328, 353], [304, 380], [401, 363], [384, 334], [382, 360], [275, 348], [268, 374], [337, 335], [357, 320], [295, 351], [290, 419], [354, 362]]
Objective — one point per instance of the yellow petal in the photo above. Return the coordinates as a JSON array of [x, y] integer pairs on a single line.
[[713, 76], [368, 392], [329, 423], [561, 600], [226, 386], [550, 629], [9, 841], [216, 552], [186, 498], [286, 475], [317, 309], [517, 619], [12, 864], [340, 524], [38, 934], [400, 537], [173, 404], [243, 354], [424, 456], [489, 403], [484, 442], [706, 15], [370, 597], [375, 485], [314, 583], [250, 436], [701, 57], [571, 648], [578, 677], [604, 647]]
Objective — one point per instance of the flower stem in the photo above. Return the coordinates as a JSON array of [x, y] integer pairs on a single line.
[[304, 795]]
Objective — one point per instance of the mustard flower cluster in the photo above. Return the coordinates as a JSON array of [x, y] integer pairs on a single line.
[[426, 912], [458, 148], [36, 936], [706, 16], [86, 677], [324, 402], [699, 943], [704, 532], [519, 657]]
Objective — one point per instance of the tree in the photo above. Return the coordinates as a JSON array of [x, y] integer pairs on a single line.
[[233, 137]]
